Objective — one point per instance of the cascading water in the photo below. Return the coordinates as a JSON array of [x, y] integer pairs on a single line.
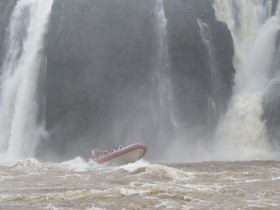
[[165, 115], [207, 39], [155, 122], [254, 29], [19, 128]]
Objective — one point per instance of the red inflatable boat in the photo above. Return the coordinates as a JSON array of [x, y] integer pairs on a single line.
[[120, 155]]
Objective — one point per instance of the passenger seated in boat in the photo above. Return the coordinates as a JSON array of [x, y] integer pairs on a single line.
[[113, 149]]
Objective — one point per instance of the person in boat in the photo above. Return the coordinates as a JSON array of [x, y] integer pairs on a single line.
[[113, 149], [116, 148]]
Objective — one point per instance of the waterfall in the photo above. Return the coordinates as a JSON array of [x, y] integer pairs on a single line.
[[254, 28], [165, 110], [20, 131], [207, 40]]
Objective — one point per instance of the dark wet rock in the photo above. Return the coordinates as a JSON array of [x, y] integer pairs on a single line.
[[189, 59], [6, 7], [271, 105], [271, 99], [98, 52], [100, 61]]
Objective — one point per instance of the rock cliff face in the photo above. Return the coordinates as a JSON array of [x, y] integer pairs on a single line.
[[271, 99], [98, 52], [271, 104], [100, 58], [190, 60], [6, 7]]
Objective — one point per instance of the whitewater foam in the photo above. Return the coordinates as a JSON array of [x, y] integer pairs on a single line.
[[133, 167], [30, 163], [241, 133], [78, 164], [116, 188]]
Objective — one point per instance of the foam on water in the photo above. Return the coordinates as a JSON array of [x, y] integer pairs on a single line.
[[94, 208], [74, 177], [157, 170], [78, 164], [203, 188], [30, 163], [143, 185], [133, 167], [4, 178], [51, 207], [275, 178]]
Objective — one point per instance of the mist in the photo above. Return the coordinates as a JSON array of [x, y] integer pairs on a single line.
[[122, 72]]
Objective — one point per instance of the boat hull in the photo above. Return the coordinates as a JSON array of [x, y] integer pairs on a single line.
[[125, 155]]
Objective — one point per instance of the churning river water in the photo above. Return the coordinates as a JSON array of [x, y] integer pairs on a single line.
[[78, 184]]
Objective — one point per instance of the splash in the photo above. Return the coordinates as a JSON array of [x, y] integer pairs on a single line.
[[78, 164], [157, 170], [19, 128], [254, 29]]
